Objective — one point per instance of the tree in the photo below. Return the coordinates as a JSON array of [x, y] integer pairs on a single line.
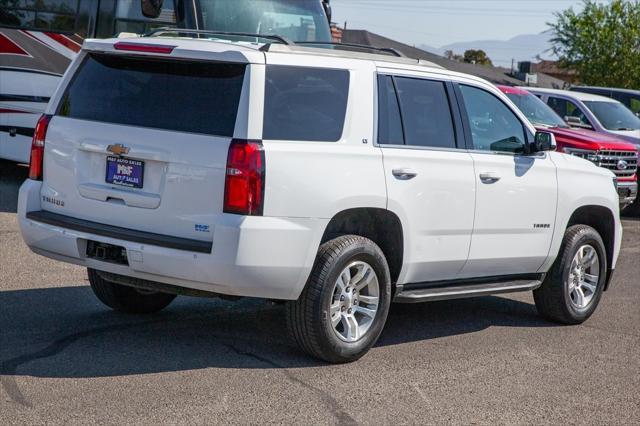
[[601, 42], [452, 56], [479, 57]]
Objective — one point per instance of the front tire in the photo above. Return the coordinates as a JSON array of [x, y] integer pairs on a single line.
[[343, 308], [573, 287], [127, 299]]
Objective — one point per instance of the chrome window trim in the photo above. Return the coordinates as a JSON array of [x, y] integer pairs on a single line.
[[399, 73]]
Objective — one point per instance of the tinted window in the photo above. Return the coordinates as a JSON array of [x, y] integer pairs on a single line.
[[299, 20], [614, 115], [630, 101], [129, 17], [634, 104], [305, 104], [565, 109], [52, 15], [389, 122], [185, 96], [494, 127], [425, 113]]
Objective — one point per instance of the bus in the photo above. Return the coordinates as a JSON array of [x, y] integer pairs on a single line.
[[39, 38]]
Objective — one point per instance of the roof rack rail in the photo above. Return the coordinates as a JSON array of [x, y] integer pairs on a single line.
[[279, 39], [390, 50], [164, 30]]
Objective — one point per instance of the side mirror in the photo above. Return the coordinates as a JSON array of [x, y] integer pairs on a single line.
[[576, 122], [544, 141], [151, 8], [573, 121]]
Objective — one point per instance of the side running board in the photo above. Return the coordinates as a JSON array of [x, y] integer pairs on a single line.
[[462, 291]]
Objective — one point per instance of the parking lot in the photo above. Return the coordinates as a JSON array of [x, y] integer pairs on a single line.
[[65, 358]]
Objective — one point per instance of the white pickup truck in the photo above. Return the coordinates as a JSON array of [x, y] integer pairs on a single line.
[[335, 181]]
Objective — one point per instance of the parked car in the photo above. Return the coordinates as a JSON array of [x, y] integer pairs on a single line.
[[333, 181], [593, 112], [630, 98], [605, 151]]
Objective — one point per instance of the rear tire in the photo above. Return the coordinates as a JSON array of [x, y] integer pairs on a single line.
[[127, 299], [344, 305], [573, 287]]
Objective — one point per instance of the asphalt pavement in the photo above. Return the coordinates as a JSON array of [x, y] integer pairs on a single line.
[[65, 358]]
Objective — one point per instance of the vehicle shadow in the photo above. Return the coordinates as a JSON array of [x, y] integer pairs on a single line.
[[11, 177], [64, 332]]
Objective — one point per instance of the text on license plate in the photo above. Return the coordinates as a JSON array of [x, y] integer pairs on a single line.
[[125, 172]]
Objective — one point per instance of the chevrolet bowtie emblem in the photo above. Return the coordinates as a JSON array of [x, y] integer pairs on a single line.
[[118, 149]]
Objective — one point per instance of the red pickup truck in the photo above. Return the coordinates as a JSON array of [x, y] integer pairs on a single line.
[[618, 156]]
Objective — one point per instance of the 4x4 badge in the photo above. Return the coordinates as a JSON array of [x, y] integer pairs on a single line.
[[118, 149]]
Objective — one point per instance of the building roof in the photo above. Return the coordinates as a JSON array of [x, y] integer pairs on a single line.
[[371, 39]]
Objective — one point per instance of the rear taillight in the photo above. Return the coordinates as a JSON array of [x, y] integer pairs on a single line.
[[244, 182], [37, 148]]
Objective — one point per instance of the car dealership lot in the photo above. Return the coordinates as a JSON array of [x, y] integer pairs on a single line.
[[64, 357]]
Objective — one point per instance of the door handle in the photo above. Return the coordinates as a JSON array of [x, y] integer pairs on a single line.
[[404, 174], [489, 177]]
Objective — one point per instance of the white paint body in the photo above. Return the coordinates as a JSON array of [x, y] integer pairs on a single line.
[[454, 225], [22, 114]]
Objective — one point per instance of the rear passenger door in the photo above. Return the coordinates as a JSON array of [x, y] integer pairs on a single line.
[[516, 193], [429, 174]]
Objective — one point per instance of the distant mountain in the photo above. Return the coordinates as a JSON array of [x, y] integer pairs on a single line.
[[520, 48]]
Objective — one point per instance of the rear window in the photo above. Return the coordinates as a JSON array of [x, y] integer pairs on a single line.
[[305, 104], [196, 97]]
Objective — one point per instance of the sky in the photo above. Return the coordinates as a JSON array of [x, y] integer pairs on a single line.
[[441, 22]]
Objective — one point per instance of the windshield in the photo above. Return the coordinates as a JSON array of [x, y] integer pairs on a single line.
[[614, 115], [536, 111], [297, 20]]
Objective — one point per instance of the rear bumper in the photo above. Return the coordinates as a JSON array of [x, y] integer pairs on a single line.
[[261, 257], [627, 191]]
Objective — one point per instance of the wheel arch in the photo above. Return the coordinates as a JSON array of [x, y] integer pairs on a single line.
[[381, 226], [602, 219]]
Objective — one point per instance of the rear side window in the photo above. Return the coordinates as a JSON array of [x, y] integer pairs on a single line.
[[425, 113], [389, 120], [196, 97], [414, 112], [305, 104]]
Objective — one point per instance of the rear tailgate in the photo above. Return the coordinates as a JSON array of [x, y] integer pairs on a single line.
[[140, 142]]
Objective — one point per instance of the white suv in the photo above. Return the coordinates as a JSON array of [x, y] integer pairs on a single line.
[[335, 181]]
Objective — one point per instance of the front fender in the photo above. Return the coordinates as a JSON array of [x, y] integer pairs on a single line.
[[582, 184]]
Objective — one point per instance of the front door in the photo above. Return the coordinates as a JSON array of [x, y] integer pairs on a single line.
[[516, 193]]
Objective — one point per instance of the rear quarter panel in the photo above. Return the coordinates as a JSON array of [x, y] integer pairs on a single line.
[[321, 179]]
